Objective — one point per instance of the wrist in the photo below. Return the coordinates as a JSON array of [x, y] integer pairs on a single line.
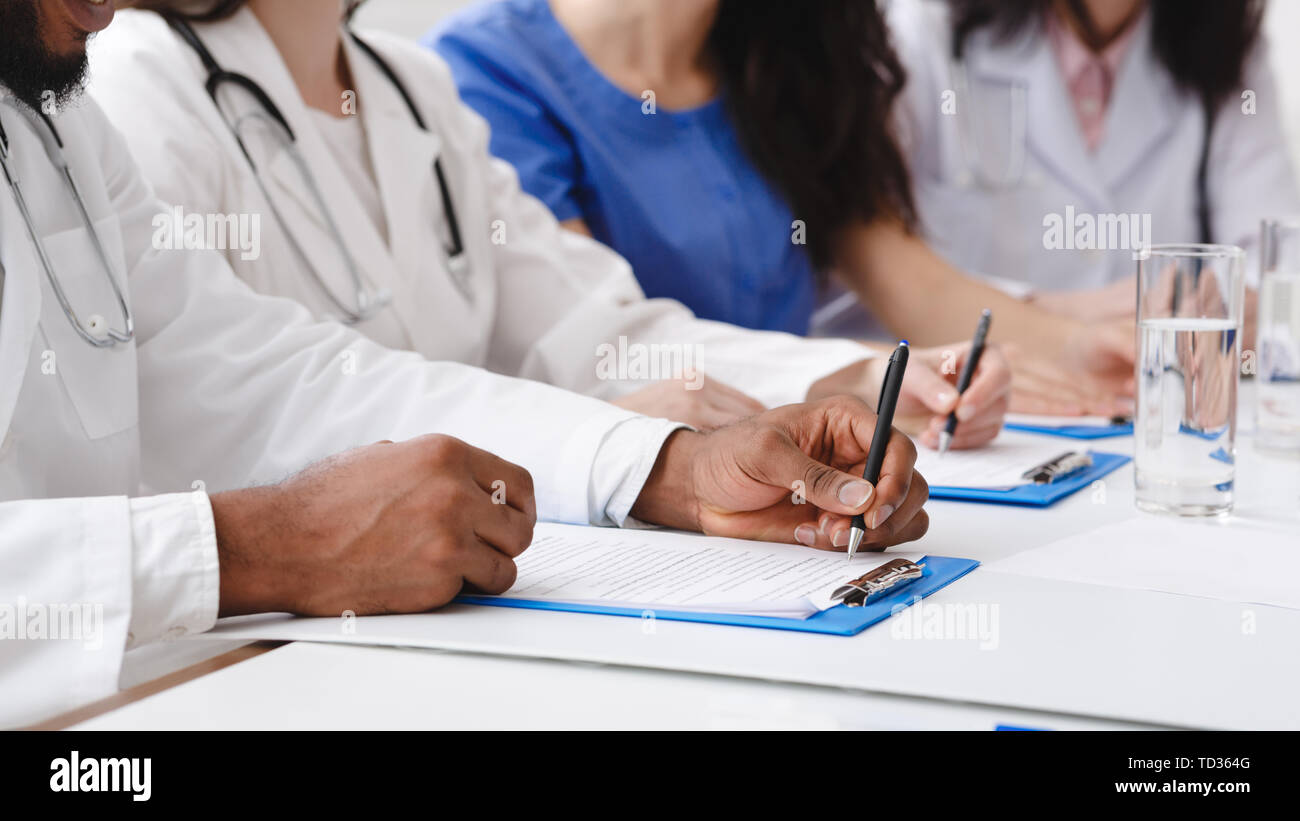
[[668, 497], [247, 585]]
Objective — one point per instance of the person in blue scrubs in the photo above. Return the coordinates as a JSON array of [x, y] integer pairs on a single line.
[[671, 190], [681, 132]]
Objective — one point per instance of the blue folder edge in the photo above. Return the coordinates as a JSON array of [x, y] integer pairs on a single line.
[[840, 620], [1076, 431], [1036, 495]]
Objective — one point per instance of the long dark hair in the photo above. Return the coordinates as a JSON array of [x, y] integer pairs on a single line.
[[207, 11], [810, 88], [1202, 43]]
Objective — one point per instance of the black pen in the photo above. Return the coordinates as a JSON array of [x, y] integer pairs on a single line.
[[889, 388], [967, 372]]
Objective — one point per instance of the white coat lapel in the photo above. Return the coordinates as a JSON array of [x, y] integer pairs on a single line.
[[1143, 109], [1052, 129], [402, 156], [241, 44]]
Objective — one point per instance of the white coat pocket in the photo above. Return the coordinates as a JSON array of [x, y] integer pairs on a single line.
[[101, 382]]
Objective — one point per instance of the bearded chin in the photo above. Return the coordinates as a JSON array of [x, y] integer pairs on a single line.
[[32, 74], [57, 86]]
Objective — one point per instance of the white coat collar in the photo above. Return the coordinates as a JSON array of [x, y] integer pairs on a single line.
[[241, 44], [392, 134], [1141, 111]]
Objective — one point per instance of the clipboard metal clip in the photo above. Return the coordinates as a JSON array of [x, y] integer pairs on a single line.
[[1066, 464], [874, 583]]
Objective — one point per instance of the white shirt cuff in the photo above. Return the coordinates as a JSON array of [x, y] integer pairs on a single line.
[[623, 463], [175, 577]]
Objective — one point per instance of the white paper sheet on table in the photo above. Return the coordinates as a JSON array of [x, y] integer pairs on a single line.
[[1232, 559], [673, 571], [1001, 463]]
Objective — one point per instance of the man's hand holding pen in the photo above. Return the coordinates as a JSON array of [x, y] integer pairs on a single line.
[[793, 474]]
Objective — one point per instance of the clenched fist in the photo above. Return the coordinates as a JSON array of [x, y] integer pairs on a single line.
[[385, 528]]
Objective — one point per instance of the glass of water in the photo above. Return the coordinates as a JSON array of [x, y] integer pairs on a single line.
[[1189, 311], [1277, 410]]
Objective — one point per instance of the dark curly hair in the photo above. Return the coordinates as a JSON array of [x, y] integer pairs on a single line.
[[810, 87], [1203, 43]]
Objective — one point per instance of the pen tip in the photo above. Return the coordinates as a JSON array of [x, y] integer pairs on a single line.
[[855, 539], [945, 442]]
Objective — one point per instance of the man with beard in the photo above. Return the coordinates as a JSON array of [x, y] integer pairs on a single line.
[[124, 366]]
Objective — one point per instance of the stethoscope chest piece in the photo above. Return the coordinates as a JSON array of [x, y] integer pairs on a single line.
[[94, 330]]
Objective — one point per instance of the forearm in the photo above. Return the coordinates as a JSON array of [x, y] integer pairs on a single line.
[[916, 294]]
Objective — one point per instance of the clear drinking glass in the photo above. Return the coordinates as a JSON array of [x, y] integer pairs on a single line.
[[1277, 409], [1189, 311]]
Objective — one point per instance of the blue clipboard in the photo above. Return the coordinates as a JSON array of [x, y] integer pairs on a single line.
[[840, 620], [1036, 495], [1076, 431]]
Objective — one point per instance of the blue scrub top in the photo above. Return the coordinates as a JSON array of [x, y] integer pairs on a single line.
[[672, 191]]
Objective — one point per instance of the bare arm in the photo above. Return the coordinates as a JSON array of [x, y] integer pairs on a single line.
[[1060, 364], [901, 279]]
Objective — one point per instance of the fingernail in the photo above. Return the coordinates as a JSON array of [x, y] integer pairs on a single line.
[[840, 539], [880, 516], [855, 494], [946, 397], [965, 412], [805, 535]]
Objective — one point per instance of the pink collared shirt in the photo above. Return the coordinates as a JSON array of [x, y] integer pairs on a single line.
[[1090, 76]]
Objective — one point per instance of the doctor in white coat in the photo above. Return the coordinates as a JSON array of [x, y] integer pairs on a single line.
[[1059, 140], [526, 299], [126, 367]]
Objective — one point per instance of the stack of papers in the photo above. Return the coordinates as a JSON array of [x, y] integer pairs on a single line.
[[643, 569]]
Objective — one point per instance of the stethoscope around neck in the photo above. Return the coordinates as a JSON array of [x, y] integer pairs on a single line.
[[95, 330], [368, 303]]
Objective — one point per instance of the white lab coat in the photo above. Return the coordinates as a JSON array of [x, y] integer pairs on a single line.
[[220, 388], [1019, 114], [537, 301]]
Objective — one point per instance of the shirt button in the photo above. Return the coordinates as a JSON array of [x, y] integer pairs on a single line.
[[176, 632]]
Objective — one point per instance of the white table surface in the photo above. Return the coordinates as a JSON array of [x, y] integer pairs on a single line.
[[305, 686], [1067, 654]]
